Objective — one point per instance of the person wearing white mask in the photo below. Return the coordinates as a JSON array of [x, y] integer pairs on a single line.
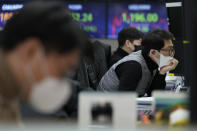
[[40, 45], [145, 70]]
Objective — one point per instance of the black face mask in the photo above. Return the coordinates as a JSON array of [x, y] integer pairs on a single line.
[[137, 48]]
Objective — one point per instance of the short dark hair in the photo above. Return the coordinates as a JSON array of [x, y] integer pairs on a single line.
[[128, 33], [155, 39], [49, 22]]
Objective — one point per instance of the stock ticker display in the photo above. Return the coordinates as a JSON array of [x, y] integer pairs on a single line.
[[7, 11], [144, 17], [91, 17], [4, 16], [101, 20]]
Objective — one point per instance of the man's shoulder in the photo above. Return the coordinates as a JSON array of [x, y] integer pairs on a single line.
[[129, 68], [131, 64], [115, 58]]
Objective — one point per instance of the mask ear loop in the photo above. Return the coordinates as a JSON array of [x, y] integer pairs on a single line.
[[158, 52], [29, 82], [30, 78], [159, 68], [44, 59], [157, 60]]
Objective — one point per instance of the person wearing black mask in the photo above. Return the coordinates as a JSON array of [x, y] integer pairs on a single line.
[[129, 40]]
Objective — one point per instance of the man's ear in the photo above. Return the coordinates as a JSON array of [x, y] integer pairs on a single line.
[[30, 48], [152, 52], [127, 43]]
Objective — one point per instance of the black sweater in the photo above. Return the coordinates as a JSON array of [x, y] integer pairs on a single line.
[[130, 73], [118, 54]]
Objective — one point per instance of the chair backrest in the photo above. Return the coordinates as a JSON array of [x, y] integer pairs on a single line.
[[91, 71], [107, 50]]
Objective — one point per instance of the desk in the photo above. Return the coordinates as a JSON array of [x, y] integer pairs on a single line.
[[62, 126]]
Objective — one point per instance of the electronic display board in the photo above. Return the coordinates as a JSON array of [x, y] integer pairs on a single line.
[[143, 16]]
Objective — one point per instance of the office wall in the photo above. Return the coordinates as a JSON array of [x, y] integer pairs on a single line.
[[112, 42]]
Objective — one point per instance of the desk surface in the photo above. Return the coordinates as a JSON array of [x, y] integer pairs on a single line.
[[72, 126]]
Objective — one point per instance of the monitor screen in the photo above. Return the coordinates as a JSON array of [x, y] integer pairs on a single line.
[[91, 17], [143, 16]]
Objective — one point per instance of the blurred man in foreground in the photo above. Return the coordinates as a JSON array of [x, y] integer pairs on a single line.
[[40, 44]]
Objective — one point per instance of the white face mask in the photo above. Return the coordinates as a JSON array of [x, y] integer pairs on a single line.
[[163, 61], [50, 95]]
